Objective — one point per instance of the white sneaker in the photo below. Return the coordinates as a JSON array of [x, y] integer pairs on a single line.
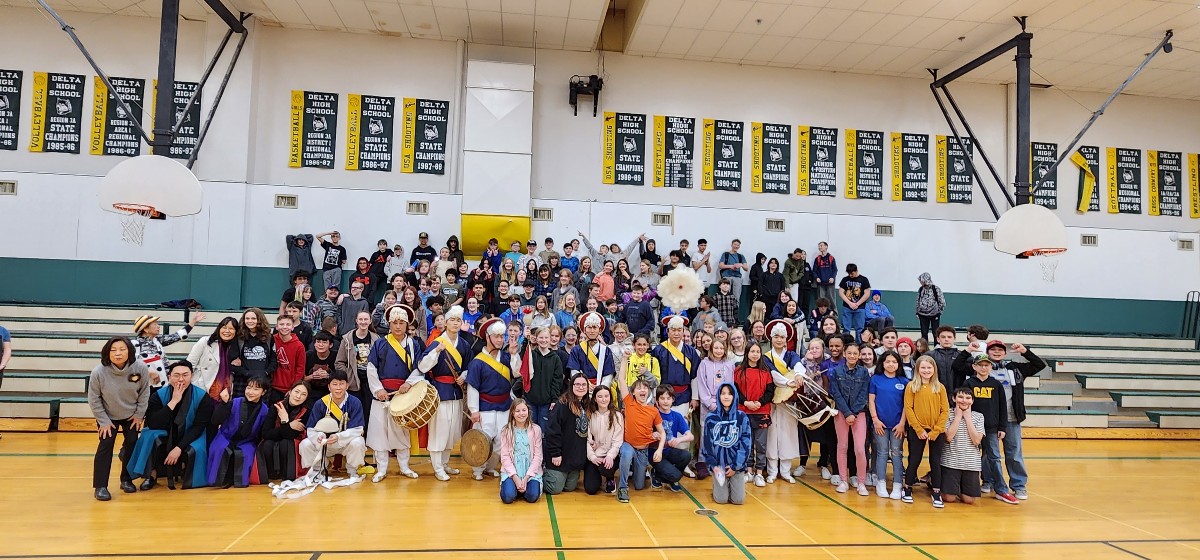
[[985, 488], [835, 480], [771, 479], [843, 487], [881, 489], [379, 476], [409, 473], [897, 490], [825, 474], [441, 475], [798, 471], [854, 481], [788, 478], [687, 471], [862, 490], [871, 480], [1021, 494], [758, 481]]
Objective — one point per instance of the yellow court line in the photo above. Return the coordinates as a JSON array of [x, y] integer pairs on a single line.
[[252, 528], [661, 552], [792, 525], [1090, 512]]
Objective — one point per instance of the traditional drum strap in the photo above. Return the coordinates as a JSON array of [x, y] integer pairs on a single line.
[[334, 410], [451, 349], [678, 355], [400, 351], [486, 357]]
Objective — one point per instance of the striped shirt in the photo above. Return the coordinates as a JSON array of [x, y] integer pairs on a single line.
[[960, 453]]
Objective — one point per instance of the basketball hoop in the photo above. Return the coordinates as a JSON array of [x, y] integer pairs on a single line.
[[148, 187], [1049, 263]]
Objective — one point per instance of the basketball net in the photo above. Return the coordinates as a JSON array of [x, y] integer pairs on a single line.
[[134, 218], [1048, 260]]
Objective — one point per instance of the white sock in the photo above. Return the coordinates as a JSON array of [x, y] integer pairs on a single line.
[[381, 460]]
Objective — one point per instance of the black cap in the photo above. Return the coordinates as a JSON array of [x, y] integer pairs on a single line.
[[529, 283]]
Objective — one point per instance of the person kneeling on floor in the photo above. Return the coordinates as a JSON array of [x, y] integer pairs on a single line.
[[348, 441], [727, 446]]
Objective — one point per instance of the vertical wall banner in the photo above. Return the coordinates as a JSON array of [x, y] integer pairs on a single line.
[[955, 182], [624, 148], [369, 120], [722, 166], [770, 158], [816, 164], [314, 129], [1194, 183], [1087, 159], [864, 164], [57, 113], [184, 142], [1124, 181], [1042, 156], [423, 139], [674, 144], [113, 131], [10, 107], [910, 167], [1165, 182]]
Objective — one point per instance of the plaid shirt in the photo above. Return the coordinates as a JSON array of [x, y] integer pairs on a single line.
[[727, 306]]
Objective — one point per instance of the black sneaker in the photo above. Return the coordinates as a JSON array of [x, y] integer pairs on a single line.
[[675, 487], [937, 499], [623, 495], [655, 483], [907, 496], [610, 487]]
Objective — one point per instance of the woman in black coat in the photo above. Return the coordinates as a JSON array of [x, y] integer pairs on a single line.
[[770, 284], [566, 435]]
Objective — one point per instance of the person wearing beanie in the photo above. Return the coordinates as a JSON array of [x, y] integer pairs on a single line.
[[879, 317], [907, 351], [390, 365]]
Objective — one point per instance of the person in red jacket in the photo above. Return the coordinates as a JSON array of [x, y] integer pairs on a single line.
[[290, 354], [756, 389]]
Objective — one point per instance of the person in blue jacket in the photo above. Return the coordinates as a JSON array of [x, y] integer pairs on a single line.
[[727, 446], [879, 317]]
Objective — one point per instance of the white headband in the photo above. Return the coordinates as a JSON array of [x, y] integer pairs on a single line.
[[779, 330], [591, 320], [676, 322], [495, 328], [455, 312]]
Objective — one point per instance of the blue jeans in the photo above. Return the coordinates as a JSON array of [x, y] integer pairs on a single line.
[[637, 459], [992, 473], [1014, 461], [853, 321], [540, 414], [888, 447], [509, 493]]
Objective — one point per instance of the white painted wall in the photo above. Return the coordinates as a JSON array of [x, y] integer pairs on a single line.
[[243, 162]]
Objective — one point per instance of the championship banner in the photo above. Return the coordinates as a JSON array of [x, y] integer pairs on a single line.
[[423, 140], [816, 166], [722, 166], [184, 142], [1165, 174], [910, 167], [1124, 181], [369, 122], [10, 107], [314, 126], [624, 148], [1087, 159], [1042, 156], [864, 164], [113, 131], [1194, 183], [954, 179], [770, 158], [57, 113], [674, 143]]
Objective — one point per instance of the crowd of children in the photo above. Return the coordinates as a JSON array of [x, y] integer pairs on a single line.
[[566, 391]]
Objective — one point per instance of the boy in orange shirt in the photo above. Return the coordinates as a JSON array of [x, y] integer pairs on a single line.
[[643, 428]]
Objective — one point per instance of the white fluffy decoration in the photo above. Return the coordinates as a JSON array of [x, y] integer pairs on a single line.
[[680, 289]]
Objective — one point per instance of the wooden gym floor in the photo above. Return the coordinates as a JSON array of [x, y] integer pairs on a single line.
[[1093, 500]]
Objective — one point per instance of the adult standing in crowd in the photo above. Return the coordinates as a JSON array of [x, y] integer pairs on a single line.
[[732, 265], [118, 393], [930, 305], [798, 275]]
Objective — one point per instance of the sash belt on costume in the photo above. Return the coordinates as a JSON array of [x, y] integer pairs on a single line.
[[447, 379], [392, 384], [680, 388], [494, 399]]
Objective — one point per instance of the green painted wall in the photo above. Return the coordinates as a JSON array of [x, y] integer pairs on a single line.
[[231, 287]]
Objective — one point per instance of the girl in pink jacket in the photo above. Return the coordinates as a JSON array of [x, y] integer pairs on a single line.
[[520, 456]]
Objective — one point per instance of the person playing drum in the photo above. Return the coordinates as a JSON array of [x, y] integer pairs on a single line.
[[449, 375], [591, 357], [783, 437], [490, 382], [389, 366]]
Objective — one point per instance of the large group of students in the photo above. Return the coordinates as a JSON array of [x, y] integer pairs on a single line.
[[575, 371]]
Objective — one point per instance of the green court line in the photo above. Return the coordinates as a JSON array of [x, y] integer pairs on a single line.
[[865, 518], [554, 527], [732, 538], [1098, 458]]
